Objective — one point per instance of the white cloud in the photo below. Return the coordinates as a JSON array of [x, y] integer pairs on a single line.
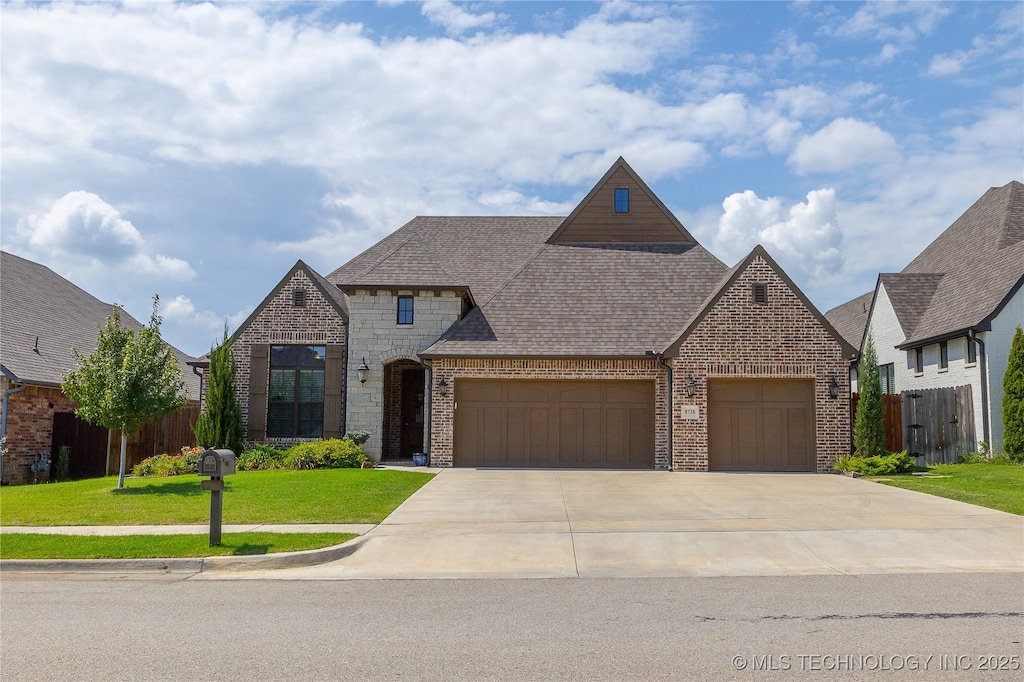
[[181, 312], [892, 22], [843, 143], [804, 237], [454, 18]]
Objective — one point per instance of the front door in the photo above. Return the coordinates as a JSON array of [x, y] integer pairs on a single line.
[[412, 411]]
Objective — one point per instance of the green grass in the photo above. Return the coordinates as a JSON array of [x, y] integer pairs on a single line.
[[319, 496], [996, 486], [39, 546]]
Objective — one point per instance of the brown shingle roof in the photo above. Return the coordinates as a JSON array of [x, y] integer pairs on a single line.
[[851, 318], [36, 302], [910, 294]]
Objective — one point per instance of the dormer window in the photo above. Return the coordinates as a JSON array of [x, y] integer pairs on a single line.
[[622, 200], [299, 298]]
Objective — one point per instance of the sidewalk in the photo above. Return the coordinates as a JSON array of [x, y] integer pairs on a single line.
[[357, 528]]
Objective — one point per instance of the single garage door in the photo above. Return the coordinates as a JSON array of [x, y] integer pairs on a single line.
[[761, 425], [523, 423]]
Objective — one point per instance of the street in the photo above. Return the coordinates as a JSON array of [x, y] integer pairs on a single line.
[[168, 627]]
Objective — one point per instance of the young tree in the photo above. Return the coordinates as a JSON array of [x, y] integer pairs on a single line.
[[869, 427], [130, 379], [220, 424], [1013, 399]]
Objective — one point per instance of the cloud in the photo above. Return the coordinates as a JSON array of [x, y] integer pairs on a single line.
[[842, 144], [805, 237], [181, 312], [899, 23], [454, 18]]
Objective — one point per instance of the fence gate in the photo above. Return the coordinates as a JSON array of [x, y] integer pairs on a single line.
[[88, 443], [938, 424]]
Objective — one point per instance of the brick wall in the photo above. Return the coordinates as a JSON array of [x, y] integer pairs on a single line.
[[29, 428], [453, 369], [280, 323], [778, 339]]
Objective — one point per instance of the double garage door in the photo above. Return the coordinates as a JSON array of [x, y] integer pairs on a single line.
[[525, 423], [761, 425]]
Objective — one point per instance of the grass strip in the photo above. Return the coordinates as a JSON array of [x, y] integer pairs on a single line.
[[992, 485], [40, 546]]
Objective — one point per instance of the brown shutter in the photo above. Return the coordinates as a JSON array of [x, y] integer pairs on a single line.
[[334, 375], [259, 356]]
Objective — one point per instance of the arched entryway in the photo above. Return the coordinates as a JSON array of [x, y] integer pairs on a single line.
[[404, 412]]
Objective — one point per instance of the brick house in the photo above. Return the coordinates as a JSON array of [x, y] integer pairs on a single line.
[[609, 338], [42, 318]]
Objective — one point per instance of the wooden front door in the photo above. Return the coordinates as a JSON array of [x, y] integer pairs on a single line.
[[412, 412]]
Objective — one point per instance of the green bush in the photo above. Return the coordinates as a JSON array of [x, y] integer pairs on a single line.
[[260, 458], [185, 462], [358, 437], [879, 465], [324, 454]]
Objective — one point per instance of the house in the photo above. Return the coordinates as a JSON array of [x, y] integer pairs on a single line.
[[608, 338], [42, 318], [946, 321]]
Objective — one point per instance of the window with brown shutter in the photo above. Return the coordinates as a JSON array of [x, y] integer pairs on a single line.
[[259, 354]]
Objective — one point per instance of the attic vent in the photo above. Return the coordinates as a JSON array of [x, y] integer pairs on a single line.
[[299, 298], [760, 292]]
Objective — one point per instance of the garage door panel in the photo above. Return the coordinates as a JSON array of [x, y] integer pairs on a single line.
[[578, 394], [481, 392], [774, 442], [640, 442], [784, 392], [733, 391], [798, 427], [492, 445], [525, 392], [627, 393]]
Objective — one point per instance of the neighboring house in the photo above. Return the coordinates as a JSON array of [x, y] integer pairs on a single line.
[[609, 338], [42, 317], [948, 318]]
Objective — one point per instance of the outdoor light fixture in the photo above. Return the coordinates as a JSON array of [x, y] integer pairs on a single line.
[[691, 386], [833, 387], [362, 371], [442, 387]]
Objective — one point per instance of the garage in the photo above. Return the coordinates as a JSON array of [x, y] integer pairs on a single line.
[[761, 425], [525, 423]]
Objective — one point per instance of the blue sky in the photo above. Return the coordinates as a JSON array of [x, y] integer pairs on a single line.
[[198, 150]]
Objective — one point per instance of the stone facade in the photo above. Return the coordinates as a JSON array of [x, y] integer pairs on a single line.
[[376, 337], [778, 339], [452, 369], [30, 428], [280, 322]]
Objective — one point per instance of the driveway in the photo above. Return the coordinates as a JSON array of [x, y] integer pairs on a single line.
[[613, 524]]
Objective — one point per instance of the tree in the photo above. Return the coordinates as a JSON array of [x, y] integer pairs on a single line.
[[130, 379], [220, 424], [1013, 399], [869, 427]]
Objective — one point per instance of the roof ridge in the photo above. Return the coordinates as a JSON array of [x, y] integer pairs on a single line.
[[508, 280], [1013, 220]]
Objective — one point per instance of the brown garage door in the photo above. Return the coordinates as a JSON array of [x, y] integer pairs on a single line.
[[521, 423], [761, 425]]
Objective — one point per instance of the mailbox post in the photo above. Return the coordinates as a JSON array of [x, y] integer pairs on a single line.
[[216, 464]]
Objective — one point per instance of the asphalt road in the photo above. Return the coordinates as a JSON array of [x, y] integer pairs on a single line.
[[914, 627]]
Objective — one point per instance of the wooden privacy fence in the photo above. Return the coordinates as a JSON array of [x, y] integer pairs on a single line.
[[892, 416], [939, 424], [166, 435]]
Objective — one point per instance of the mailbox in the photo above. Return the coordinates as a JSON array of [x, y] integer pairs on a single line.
[[217, 463]]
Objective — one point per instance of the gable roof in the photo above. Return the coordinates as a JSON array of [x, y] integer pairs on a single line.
[[594, 219], [726, 283], [335, 297], [910, 294], [43, 316], [851, 318]]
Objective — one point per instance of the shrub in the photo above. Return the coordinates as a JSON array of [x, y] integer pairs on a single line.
[[869, 424], [879, 465], [1013, 399], [358, 437], [260, 458], [324, 454], [185, 462]]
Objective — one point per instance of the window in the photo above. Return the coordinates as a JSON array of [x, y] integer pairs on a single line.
[[919, 360], [295, 401], [299, 298], [943, 355], [972, 352], [760, 292], [405, 310], [622, 200], [887, 378]]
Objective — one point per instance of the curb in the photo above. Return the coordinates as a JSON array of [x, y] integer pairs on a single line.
[[192, 565]]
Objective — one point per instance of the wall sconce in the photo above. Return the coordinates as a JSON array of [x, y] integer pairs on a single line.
[[362, 371], [833, 387], [691, 386], [442, 387]]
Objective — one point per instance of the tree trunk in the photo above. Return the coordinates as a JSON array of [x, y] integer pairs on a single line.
[[124, 459]]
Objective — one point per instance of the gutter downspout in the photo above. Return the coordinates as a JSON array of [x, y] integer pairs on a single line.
[[983, 368], [660, 359], [195, 370], [3, 421]]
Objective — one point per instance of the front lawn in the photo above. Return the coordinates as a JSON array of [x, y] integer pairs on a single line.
[[996, 486], [40, 546], [318, 496]]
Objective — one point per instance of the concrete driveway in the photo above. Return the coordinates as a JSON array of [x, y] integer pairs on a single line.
[[611, 524]]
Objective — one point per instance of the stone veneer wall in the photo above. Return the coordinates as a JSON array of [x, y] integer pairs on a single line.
[[376, 336], [30, 428], [453, 369], [779, 339], [280, 323]]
